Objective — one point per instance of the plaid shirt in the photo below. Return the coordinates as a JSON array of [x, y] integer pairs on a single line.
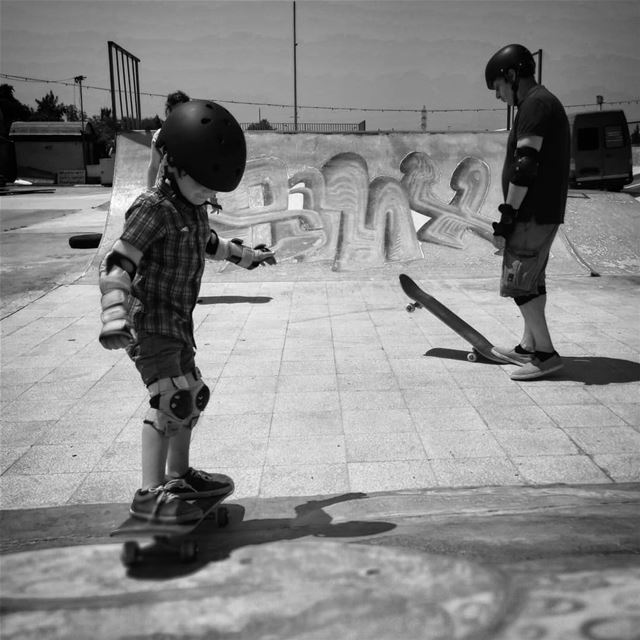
[[172, 236]]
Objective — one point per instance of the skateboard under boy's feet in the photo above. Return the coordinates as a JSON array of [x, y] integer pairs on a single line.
[[480, 346], [168, 539]]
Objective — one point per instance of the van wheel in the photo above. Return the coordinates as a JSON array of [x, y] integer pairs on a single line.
[[85, 241]]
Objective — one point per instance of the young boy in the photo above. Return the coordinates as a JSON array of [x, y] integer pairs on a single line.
[[150, 282]]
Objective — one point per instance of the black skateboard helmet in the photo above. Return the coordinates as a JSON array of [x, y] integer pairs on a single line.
[[513, 56], [205, 140]]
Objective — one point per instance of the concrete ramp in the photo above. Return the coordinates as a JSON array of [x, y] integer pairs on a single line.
[[346, 206], [129, 180]]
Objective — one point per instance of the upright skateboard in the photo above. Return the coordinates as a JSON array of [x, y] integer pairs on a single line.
[[168, 539], [479, 344]]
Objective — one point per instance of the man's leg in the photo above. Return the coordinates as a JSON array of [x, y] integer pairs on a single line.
[[536, 336]]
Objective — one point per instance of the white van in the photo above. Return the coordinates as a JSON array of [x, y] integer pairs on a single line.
[[600, 150]]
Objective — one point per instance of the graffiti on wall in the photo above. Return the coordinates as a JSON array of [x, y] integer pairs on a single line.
[[343, 216]]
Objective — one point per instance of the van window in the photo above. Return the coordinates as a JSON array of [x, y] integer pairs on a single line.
[[588, 138], [613, 137]]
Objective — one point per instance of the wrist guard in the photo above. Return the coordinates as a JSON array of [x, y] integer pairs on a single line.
[[237, 252], [507, 222], [116, 272]]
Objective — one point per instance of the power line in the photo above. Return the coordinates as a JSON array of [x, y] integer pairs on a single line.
[[318, 107]]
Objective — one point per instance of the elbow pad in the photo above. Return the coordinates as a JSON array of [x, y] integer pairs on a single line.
[[525, 168]]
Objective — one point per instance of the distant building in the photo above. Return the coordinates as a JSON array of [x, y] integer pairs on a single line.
[[53, 151]]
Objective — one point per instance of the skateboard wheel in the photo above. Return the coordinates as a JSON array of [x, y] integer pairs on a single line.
[[222, 517], [472, 357], [188, 551], [130, 553]]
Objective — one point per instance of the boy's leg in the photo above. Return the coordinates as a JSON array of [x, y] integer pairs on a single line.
[[536, 335]]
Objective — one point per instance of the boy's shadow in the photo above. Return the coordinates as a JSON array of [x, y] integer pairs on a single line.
[[234, 299], [590, 370], [216, 544]]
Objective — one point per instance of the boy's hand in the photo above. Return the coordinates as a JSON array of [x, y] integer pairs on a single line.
[[112, 338], [263, 255]]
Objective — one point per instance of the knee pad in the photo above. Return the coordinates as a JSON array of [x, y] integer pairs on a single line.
[[200, 395], [520, 300], [170, 405]]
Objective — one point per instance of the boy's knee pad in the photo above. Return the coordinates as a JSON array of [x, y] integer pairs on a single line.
[[171, 405], [200, 395]]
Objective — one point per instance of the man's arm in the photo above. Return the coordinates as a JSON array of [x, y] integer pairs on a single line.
[[516, 193], [154, 164]]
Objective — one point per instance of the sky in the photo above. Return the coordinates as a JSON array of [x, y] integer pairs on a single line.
[[362, 60]]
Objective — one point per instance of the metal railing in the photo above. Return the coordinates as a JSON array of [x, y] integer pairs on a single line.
[[308, 127]]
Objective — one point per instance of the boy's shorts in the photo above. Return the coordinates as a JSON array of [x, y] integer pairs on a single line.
[[157, 357], [525, 259]]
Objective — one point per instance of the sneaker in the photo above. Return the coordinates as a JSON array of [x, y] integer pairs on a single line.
[[538, 368], [160, 504], [196, 484], [517, 355]]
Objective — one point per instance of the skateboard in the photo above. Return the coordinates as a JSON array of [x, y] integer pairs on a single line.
[[480, 346], [168, 539]]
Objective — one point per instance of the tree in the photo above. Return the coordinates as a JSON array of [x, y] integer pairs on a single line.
[[263, 125], [635, 136], [12, 110], [104, 126], [49, 109]]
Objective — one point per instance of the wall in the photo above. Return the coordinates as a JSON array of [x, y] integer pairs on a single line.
[[360, 200], [49, 156]]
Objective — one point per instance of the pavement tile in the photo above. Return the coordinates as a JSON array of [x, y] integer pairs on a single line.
[[623, 467], [583, 415], [630, 413], [468, 472], [307, 401], [571, 469], [20, 434], [311, 449], [487, 397], [247, 454], [423, 400], [382, 447], [107, 487], [121, 456], [213, 428], [390, 475], [617, 393], [375, 381], [9, 455], [461, 444], [241, 403], [30, 491], [226, 385], [449, 418], [514, 417], [304, 480], [55, 459], [535, 442], [299, 424], [377, 421], [603, 440], [371, 399], [310, 382], [550, 395]]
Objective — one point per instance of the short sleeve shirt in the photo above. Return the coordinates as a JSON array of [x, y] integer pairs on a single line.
[[542, 114], [157, 144], [172, 235]]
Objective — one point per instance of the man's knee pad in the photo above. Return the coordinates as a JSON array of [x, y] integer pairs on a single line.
[[200, 395], [520, 300], [171, 405]]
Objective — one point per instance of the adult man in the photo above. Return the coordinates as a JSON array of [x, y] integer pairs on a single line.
[[535, 181]]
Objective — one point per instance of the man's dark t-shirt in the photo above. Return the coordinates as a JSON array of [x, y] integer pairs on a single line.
[[542, 114]]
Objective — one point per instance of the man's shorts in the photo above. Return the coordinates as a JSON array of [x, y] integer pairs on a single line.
[[158, 357], [525, 259]]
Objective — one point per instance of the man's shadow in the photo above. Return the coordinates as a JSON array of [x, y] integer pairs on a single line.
[[216, 544], [590, 370]]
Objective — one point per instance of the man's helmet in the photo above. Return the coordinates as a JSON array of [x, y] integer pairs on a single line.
[[513, 56], [205, 140]]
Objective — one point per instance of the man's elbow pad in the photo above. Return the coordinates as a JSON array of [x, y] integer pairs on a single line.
[[525, 168]]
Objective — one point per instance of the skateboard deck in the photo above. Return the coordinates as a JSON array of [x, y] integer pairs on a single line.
[[422, 300], [168, 539]]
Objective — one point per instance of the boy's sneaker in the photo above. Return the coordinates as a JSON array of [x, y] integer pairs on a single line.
[[196, 484], [538, 367], [517, 355], [160, 504]]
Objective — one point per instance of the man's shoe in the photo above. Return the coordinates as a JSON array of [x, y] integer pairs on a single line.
[[196, 484], [160, 504], [538, 368], [517, 355]]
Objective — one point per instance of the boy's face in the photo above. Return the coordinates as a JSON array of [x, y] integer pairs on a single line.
[[193, 191]]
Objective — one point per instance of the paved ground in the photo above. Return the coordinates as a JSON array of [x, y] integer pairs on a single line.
[[328, 388]]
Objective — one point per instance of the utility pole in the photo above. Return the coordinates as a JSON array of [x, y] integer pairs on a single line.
[[295, 74], [78, 80]]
